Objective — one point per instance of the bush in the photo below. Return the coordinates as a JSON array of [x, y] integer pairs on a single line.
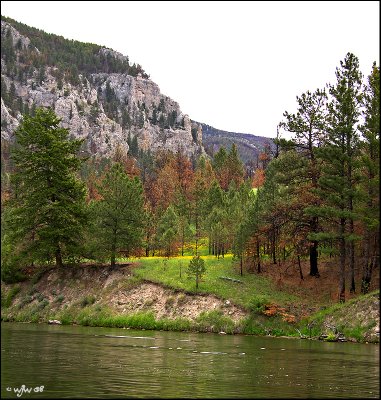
[[24, 301], [60, 298], [42, 304], [258, 304], [215, 321], [38, 275], [40, 296], [11, 295], [32, 291], [87, 301], [169, 302], [10, 273], [182, 299]]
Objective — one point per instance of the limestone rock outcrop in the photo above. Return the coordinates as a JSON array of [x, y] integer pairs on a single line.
[[104, 109]]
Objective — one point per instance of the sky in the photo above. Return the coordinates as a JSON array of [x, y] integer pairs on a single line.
[[237, 66]]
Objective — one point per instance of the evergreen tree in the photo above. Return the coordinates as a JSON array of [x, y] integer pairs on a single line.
[[119, 214], [49, 210], [234, 165], [182, 206], [133, 146], [196, 268], [308, 127], [237, 207], [216, 218], [168, 231], [370, 180], [203, 178], [336, 183]]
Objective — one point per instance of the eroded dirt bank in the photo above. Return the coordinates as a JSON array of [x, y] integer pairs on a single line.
[[101, 296]]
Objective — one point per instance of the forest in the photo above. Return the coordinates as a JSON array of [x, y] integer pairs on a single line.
[[315, 196]]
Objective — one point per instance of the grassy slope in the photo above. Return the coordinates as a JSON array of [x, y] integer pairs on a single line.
[[357, 319], [253, 289]]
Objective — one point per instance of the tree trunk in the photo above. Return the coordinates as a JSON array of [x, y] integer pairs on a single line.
[[342, 262], [368, 266], [273, 246], [352, 267], [259, 257], [241, 264], [196, 281], [300, 269], [314, 271], [113, 247], [59, 262], [352, 250]]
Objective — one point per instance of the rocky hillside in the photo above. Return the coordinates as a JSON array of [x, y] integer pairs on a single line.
[[249, 146], [99, 95]]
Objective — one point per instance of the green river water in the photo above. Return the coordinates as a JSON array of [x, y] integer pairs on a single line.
[[82, 362]]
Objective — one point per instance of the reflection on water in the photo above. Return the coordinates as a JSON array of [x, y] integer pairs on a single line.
[[77, 362]]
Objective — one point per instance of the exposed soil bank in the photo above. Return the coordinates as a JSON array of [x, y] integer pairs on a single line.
[[100, 296]]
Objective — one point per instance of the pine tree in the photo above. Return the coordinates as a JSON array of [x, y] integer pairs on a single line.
[[234, 165], [308, 127], [134, 147], [370, 180], [119, 215], [168, 231], [336, 183], [196, 268], [49, 208]]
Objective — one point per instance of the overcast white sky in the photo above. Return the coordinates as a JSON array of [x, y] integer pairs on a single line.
[[234, 65]]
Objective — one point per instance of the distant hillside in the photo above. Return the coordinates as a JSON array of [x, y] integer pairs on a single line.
[[98, 94], [249, 146]]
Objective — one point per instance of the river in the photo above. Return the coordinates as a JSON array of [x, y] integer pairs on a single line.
[[81, 362]]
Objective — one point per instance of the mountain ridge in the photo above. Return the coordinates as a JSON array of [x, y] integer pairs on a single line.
[[95, 91], [100, 97], [249, 146]]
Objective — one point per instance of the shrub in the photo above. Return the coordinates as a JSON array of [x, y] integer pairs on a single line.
[[32, 291], [87, 301], [24, 301], [182, 299], [215, 321], [42, 304], [169, 302], [11, 295], [60, 298], [258, 304], [40, 296], [38, 275], [11, 272]]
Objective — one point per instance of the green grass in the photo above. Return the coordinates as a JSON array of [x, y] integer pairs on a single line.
[[314, 325], [7, 300], [87, 300], [215, 321], [255, 288], [262, 325]]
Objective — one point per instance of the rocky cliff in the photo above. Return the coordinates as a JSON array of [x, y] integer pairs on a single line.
[[97, 93]]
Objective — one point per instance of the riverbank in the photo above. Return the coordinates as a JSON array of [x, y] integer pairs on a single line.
[[136, 295]]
